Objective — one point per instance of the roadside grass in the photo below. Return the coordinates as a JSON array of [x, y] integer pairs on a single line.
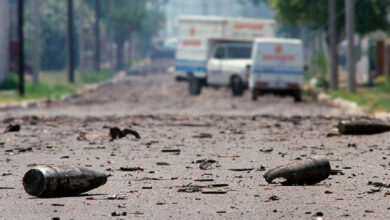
[[96, 77], [375, 99], [53, 85]]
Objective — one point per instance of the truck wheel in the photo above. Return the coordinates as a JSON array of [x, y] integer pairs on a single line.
[[297, 96], [238, 86], [255, 95], [195, 86]]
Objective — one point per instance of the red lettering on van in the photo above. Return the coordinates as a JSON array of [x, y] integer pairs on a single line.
[[191, 43], [256, 27]]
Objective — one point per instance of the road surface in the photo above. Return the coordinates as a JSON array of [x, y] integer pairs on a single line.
[[235, 132]]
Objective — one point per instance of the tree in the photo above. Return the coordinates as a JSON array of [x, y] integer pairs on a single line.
[[129, 17], [371, 15], [125, 18]]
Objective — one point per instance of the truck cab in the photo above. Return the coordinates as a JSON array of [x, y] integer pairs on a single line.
[[228, 66]]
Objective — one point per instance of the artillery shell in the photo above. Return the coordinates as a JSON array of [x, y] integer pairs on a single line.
[[362, 127], [49, 181], [307, 172]]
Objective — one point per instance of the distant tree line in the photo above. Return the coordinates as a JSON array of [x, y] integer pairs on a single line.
[[125, 20]]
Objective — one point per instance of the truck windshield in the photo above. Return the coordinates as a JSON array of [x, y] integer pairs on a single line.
[[239, 52]]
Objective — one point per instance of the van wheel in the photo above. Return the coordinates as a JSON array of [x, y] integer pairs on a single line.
[[297, 96], [255, 95], [238, 86], [195, 86]]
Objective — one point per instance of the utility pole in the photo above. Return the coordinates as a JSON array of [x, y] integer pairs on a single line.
[[70, 42], [20, 47], [97, 35], [81, 37], [350, 30], [36, 46], [111, 39], [334, 84], [4, 38]]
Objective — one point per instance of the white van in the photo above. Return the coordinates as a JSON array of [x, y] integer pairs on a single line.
[[216, 51], [277, 67]]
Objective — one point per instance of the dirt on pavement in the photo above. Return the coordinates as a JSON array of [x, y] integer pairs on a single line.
[[242, 139]]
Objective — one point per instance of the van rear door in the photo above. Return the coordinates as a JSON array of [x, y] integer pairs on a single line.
[[278, 64]]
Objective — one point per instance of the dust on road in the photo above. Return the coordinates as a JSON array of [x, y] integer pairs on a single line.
[[160, 94], [244, 138]]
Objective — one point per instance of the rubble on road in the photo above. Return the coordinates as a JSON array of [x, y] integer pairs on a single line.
[[117, 133], [205, 164], [131, 169], [12, 128], [308, 172]]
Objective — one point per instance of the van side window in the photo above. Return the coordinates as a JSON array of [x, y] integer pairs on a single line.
[[220, 53], [240, 52]]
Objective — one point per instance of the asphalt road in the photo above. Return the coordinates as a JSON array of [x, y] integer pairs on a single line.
[[237, 133]]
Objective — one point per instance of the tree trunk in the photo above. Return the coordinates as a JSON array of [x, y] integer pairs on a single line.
[[37, 32], [4, 40], [81, 37], [119, 55]]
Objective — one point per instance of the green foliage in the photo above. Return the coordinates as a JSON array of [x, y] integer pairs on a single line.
[[93, 77], [53, 34], [50, 90], [128, 18], [318, 70], [373, 98], [10, 83], [371, 15], [254, 2]]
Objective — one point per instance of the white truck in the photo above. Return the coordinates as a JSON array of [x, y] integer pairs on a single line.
[[277, 67], [216, 51]]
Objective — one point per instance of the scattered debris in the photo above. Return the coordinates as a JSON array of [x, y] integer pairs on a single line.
[[170, 150], [116, 197], [241, 169], [227, 156], [213, 192], [131, 169], [119, 214], [309, 171], [267, 150], [5, 187], [206, 164], [162, 164], [47, 181], [219, 185], [204, 180], [336, 172], [12, 128], [274, 198], [203, 135], [190, 188], [378, 184], [82, 136], [117, 133], [362, 127], [135, 213]]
